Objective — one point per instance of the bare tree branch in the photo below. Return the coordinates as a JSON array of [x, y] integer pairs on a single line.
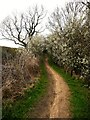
[[22, 28], [33, 20]]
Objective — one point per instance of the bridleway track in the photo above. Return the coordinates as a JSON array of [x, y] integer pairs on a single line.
[[60, 107]]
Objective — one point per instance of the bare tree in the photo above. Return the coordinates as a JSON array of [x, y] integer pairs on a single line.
[[21, 29], [88, 13], [88, 4], [13, 29], [62, 18], [32, 20]]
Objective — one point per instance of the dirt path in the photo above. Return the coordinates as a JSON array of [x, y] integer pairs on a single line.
[[55, 102], [60, 108]]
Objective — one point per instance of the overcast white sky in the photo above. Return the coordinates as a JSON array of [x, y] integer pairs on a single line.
[[8, 7]]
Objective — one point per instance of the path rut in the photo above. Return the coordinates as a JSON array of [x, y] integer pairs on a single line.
[[55, 103], [60, 108]]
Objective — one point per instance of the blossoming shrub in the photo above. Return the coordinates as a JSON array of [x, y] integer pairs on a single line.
[[69, 42]]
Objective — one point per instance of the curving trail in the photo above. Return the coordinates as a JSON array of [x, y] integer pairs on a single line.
[[60, 107], [55, 103]]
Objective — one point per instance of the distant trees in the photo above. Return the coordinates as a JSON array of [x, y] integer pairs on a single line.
[[21, 29]]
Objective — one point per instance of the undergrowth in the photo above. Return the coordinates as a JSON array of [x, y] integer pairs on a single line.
[[18, 109]]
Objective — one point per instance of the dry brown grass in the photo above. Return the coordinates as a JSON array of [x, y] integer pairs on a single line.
[[18, 73]]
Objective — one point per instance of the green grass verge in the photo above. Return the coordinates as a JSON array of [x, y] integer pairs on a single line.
[[80, 96], [18, 109]]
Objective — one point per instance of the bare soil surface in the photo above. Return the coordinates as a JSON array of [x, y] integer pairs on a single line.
[[60, 108], [55, 103]]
